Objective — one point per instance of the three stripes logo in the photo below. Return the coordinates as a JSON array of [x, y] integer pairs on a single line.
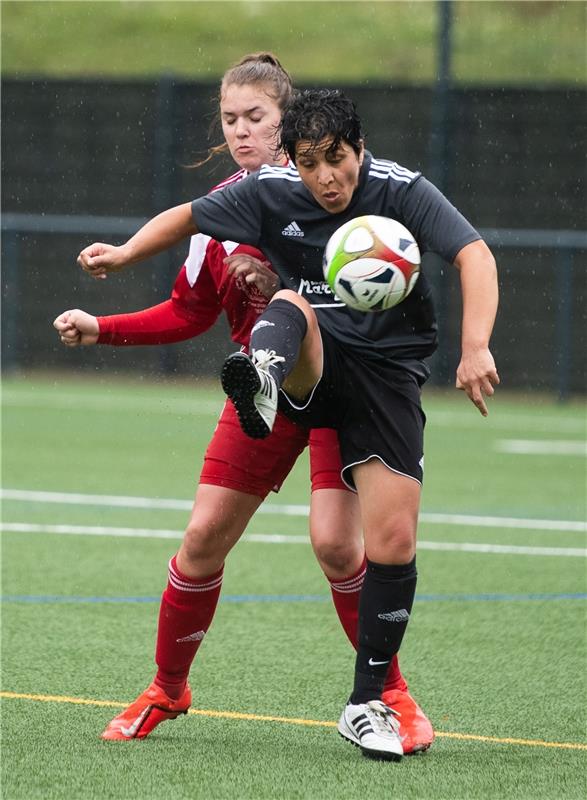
[[395, 616], [293, 229], [193, 637], [362, 725]]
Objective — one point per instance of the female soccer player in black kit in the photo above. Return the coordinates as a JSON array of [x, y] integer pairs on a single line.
[[237, 474], [326, 365]]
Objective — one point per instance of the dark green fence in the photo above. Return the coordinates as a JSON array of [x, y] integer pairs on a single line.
[[85, 160]]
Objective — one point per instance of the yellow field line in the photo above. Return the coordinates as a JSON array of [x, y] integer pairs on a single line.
[[49, 698]]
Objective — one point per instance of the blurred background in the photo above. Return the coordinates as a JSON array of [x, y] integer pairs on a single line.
[[105, 104]]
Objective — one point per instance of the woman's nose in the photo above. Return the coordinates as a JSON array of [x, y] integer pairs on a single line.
[[242, 129], [324, 175]]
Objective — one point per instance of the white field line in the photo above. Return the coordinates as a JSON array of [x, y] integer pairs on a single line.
[[468, 418], [92, 530], [479, 547], [76, 499], [541, 447], [121, 501], [272, 538], [478, 521]]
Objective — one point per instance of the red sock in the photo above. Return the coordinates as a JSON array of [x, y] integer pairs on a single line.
[[187, 608], [345, 594], [394, 678]]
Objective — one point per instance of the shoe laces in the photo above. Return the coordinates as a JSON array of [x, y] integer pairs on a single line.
[[383, 718], [263, 359]]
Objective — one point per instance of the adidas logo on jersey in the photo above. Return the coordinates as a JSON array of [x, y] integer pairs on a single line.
[[293, 229]]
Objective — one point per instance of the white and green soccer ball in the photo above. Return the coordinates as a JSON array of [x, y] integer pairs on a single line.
[[371, 263]]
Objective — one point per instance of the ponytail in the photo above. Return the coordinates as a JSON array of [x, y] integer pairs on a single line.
[[255, 69]]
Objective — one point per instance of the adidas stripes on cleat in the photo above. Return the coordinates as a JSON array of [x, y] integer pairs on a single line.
[[415, 728], [149, 709], [253, 390], [373, 727]]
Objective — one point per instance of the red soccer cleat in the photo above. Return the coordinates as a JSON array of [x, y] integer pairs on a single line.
[[415, 728], [151, 708]]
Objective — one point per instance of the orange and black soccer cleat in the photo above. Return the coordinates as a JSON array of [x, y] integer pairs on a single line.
[[151, 708], [415, 728]]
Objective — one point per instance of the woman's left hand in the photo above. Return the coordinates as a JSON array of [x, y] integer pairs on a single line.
[[477, 375]]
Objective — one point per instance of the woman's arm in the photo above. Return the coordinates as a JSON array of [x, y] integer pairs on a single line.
[[476, 373], [160, 233]]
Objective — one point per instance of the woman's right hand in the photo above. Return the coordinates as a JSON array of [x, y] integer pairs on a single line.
[[99, 259], [77, 327]]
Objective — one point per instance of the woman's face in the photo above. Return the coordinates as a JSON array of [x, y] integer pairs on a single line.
[[331, 176], [250, 118]]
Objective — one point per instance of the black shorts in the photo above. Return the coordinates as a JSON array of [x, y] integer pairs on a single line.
[[373, 404]]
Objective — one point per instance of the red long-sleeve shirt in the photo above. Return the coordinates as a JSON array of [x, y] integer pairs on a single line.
[[202, 291]]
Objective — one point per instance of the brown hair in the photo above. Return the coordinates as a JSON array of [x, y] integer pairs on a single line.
[[254, 68], [260, 68]]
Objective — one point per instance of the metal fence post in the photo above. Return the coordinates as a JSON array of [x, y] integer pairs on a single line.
[[440, 162], [439, 169], [564, 322], [164, 167], [10, 300]]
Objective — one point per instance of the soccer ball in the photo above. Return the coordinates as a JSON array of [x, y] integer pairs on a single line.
[[371, 263]]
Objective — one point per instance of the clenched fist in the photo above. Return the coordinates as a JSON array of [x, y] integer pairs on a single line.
[[77, 327]]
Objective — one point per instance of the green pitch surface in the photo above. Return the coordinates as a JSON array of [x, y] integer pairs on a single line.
[[495, 652]]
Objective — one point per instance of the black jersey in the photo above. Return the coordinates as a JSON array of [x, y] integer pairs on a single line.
[[274, 211]]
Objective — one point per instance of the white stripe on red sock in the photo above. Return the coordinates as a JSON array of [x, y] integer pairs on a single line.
[[348, 585], [183, 585]]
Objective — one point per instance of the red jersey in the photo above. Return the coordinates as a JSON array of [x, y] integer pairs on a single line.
[[202, 290]]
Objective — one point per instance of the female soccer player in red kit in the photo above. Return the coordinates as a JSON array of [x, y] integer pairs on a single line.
[[238, 473]]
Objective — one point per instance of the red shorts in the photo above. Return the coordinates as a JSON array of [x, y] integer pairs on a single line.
[[325, 461], [259, 466]]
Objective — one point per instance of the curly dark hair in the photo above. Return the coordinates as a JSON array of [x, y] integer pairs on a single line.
[[316, 114]]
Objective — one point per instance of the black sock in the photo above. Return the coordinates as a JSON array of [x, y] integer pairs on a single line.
[[281, 327], [384, 610]]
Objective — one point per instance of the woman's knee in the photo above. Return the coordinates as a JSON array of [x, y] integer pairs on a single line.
[[394, 543], [207, 539], [301, 303], [200, 541], [338, 555]]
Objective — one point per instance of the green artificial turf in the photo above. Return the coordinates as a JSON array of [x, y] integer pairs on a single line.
[[495, 651]]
